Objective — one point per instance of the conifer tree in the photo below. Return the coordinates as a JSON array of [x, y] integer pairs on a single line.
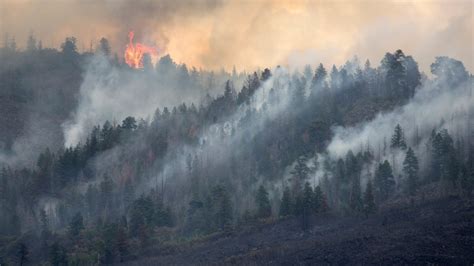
[[384, 181], [355, 202], [467, 180], [369, 200], [57, 255], [319, 79], [318, 199], [398, 138], [410, 168], [222, 207], [264, 208], [76, 224], [299, 173], [307, 205], [285, 206], [22, 254]]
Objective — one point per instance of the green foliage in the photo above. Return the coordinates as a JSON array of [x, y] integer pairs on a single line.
[[195, 218], [320, 204], [76, 225], [300, 173], [384, 181], [129, 123], [319, 79], [467, 180], [264, 209], [69, 48], [141, 215], [369, 199], [286, 204], [298, 94], [449, 70], [401, 75], [398, 139], [57, 255], [104, 47], [22, 254], [410, 168], [444, 161], [221, 207], [355, 202], [307, 206], [140, 149]]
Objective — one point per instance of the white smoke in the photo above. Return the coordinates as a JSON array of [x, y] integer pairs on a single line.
[[111, 92]]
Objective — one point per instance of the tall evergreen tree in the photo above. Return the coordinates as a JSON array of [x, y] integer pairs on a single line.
[[444, 159], [264, 209], [395, 74], [467, 180], [384, 181], [298, 86], [76, 224], [319, 200], [57, 255], [319, 79], [307, 205], [356, 203], [398, 138], [285, 206], [410, 168], [104, 47], [222, 207], [299, 173], [22, 254], [369, 199]]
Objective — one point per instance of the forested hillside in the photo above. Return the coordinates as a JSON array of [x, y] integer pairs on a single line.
[[101, 163]]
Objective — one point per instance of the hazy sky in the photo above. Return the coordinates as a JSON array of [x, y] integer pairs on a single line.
[[254, 33]]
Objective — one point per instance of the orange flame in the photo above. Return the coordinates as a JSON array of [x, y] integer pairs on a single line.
[[134, 52]]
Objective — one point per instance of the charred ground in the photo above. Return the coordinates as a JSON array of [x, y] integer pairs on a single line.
[[438, 231]]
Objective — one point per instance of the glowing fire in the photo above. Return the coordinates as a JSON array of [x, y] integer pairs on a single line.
[[134, 52]]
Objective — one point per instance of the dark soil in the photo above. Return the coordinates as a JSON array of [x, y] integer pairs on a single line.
[[439, 232]]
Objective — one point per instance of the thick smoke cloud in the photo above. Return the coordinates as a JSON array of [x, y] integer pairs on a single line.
[[435, 106], [111, 92], [251, 34]]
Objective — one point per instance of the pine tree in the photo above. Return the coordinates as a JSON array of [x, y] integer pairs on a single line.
[[384, 181], [298, 91], [44, 221], [319, 200], [395, 78], [264, 208], [299, 173], [410, 168], [444, 161], [31, 43], [369, 200], [398, 139], [355, 202], [76, 225], [285, 206], [57, 255], [308, 197], [319, 79], [299, 206], [122, 243], [467, 180], [307, 205], [142, 213], [22, 254], [335, 80], [222, 207]]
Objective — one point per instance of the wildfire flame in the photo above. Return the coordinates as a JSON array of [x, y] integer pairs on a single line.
[[134, 52]]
